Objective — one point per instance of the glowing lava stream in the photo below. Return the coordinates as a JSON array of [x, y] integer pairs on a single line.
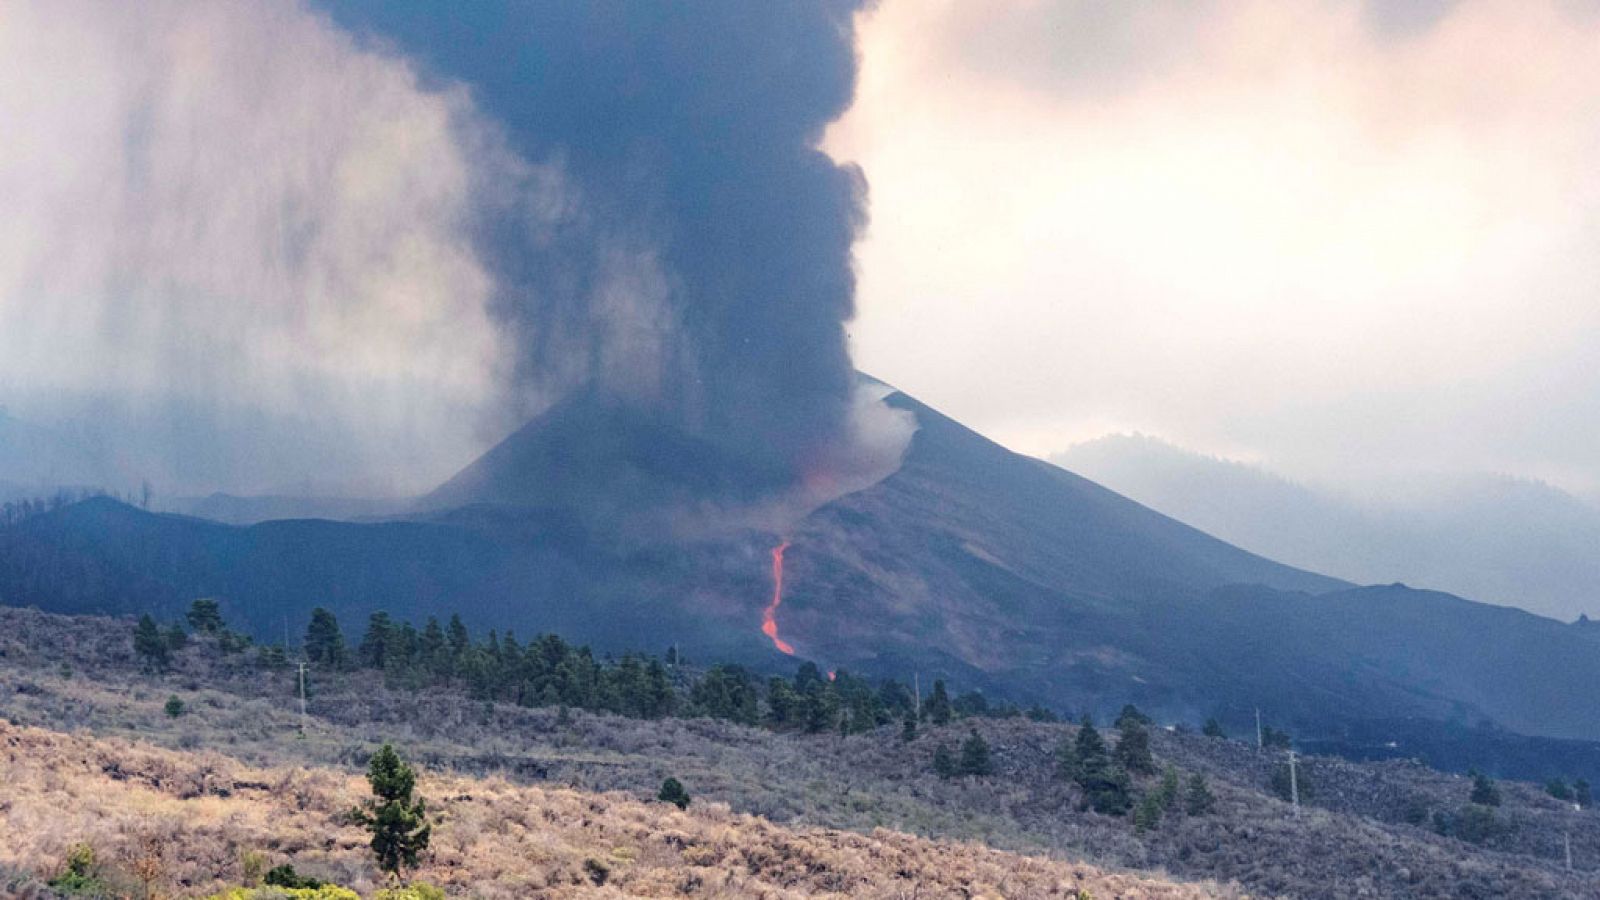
[[769, 622]]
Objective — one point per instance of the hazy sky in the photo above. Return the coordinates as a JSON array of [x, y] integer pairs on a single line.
[[1344, 240], [1347, 241]]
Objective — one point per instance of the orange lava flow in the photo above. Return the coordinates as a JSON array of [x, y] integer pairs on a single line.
[[769, 621]]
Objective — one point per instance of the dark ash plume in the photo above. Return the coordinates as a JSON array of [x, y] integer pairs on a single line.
[[703, 269]]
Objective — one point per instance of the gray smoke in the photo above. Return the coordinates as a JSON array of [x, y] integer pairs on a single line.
[[704, 268], [261, 246]]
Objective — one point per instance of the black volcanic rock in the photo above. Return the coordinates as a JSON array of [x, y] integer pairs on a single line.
[[607, 463]]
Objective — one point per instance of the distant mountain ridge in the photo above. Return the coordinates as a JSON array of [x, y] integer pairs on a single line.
[[972, 562], [1500, 540]]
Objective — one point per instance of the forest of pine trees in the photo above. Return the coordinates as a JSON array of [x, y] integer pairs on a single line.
[[548, 671]]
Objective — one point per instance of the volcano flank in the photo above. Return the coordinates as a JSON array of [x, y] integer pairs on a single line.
[[973, 563]]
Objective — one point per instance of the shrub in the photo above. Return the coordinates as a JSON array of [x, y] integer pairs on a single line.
[[1473, 823], [944, 764], [81, 875], [173, 707], [325, 892], [1284, 786], [1484, 790], [285, 876], [672, 792], [1557, 788], [416, 890], [1213, 729], [253, 864]]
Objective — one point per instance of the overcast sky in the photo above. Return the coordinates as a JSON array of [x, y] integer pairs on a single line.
[[1343, 241]]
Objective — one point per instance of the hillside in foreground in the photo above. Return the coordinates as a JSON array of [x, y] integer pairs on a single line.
[[187, 819], [1390, 829]]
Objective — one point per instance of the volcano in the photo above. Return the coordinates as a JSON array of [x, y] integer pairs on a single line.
[[971, 562], [612, 466]]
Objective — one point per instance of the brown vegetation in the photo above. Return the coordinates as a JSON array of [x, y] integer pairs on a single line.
[[184, 823], [1365, 832]]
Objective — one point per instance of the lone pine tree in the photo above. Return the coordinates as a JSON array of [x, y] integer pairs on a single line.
[[397, 821]]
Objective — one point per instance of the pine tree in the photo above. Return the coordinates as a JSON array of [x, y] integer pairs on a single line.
[[938, 706], [1133, 748], [324, 642], [374, 648], [1066, 760], [672, 792], [975, 756], [908, 731], [1198, 800], [149, 644], [1557, 788], [1105, 786], [205, 616], [174, 707], [944, 764], [1168, 792], [176, 637], [1090, 749], [1147, 816], [1213, 729], [398, 823], [458, 638], [435, 653], [1581, 794], [1484, 790], [1130, 713]]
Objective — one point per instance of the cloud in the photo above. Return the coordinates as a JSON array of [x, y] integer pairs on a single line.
[[241, 242], [1340, 238]]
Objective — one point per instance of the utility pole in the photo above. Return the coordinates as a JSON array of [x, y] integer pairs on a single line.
[[1258, 728], [916, 681], [1294, 785], [302, 699], [1566, 839]]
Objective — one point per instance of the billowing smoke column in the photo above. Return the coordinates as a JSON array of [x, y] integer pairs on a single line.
[[702, 266]]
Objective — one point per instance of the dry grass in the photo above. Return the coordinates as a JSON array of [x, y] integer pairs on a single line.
[[188, 817]]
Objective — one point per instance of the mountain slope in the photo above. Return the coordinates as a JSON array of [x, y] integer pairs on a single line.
[[1492, 538], [989, 568]]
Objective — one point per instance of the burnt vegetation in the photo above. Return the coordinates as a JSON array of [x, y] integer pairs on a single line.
[[842, 753]]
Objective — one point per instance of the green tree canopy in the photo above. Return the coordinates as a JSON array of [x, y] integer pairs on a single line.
[[672, 792], [205, 616], [938, 708], [149, 643], [975, 756], [324, 641], [397, 821]]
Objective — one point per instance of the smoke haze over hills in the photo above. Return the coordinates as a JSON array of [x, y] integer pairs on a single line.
[[1490, 538]]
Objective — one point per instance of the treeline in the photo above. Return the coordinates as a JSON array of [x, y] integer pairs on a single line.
[[547, 671]]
